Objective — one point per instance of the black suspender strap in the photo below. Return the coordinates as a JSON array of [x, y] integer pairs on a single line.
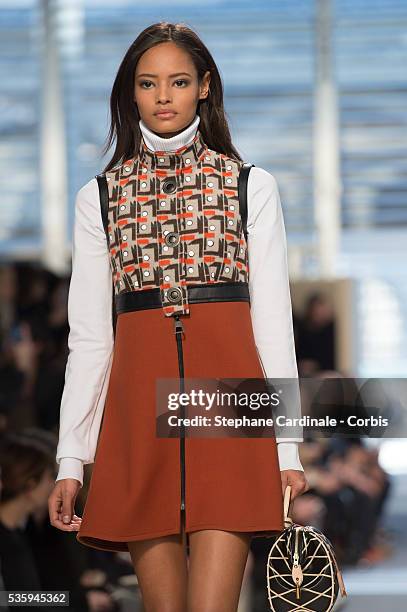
[[104, 208], [242, 192]]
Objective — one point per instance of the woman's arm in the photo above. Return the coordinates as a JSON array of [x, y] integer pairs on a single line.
[[270, 295], [90, 339]]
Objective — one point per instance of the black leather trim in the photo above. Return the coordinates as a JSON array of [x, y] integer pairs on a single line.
[[142, 299], [104, 203], [104, 208], [242, 192]]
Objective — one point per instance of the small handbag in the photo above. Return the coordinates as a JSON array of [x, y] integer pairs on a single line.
[[302, 571]]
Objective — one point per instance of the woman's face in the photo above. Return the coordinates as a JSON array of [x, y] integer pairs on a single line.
[[166, 80]]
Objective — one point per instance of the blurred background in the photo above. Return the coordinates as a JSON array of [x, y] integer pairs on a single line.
[[315, 93]]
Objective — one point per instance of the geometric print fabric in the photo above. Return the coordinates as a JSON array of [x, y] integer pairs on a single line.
[[174, 220]]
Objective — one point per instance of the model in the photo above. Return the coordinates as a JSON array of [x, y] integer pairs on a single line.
[[194, 299]]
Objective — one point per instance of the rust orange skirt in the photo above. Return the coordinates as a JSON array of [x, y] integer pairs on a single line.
[[232, 484]]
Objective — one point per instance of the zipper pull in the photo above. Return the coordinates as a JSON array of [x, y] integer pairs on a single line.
[[296, 571], [179, 328], [297, 576]]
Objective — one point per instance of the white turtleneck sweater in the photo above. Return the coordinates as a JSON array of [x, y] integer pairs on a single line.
[[90, 344]]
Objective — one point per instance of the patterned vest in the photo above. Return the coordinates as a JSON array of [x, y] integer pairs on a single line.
[[173, 221]]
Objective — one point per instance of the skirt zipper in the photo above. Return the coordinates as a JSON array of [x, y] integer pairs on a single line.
[[179, 331]]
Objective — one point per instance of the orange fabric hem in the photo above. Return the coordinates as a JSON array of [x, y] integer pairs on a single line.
[[119, 543]]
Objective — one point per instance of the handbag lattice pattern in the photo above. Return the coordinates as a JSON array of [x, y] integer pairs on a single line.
[[302, 570]]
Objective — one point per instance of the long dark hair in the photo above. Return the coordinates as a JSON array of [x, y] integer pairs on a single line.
[[24, 457], [124, 126]]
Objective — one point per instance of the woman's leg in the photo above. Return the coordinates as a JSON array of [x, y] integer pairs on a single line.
[[161, 569], [216, 566]]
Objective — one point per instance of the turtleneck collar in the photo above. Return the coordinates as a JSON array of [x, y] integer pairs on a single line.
[[157, 143], [190, 150]]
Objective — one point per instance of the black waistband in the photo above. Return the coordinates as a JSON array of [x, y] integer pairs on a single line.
[[151, 298]]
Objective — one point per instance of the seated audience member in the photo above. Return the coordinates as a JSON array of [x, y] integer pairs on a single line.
[[28, 475], [315, 336]]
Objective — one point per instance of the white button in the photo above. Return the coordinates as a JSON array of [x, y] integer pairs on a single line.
[[230, 222], [161, 159], [187, 161], [241, 249], [232, 207], [165, 248], [207, 157], [191, 253], [143, 226], [127, 168], [108, 178], [122, 207], [190, 207], [144, 170], [228, 180], [210, 242], [190, 270], [165, 232], [146, 273], [124, 237], [144, 213], [110, 236], [212, 273], [146, 257], [124, 193], [125, 253], [211, 227], [228, 167], [136, 283], [209, 198], [163, 203], [210, 184], [187, 178], [167, 278], [228, 253], [227, 269], [189, 222], [144, 184]]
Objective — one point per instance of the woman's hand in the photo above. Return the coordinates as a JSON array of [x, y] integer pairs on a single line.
[[61, 504], [297, 480]]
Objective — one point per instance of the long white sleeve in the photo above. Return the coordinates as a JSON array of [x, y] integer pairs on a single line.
[[90, 339], [288, 456], [270, 298]]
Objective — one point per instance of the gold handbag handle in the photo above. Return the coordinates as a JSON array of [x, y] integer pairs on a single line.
[[287, 500]]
